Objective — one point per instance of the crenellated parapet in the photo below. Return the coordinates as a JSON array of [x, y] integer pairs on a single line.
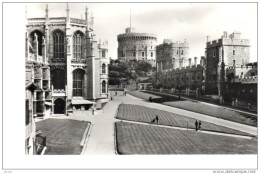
[[136, 36]]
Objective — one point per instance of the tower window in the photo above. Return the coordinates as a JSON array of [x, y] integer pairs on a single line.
[[214, 53], [151, 47], [151, 54], [181, 52], [103, 68], [142, 54], [234, 52], [133, 54], [103, 53]]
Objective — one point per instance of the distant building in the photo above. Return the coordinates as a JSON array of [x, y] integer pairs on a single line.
[[241, 87], [224, 73], [134, 46], [220, 54], [175, 70], [172, 55]]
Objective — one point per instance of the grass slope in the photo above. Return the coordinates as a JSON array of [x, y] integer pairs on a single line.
[[195, 106], [63, 135], [146, 114], [142, 139]]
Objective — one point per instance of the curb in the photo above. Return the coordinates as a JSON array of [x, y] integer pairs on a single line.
[[43, 151], [85, 134], [86, 138], [115, 139]]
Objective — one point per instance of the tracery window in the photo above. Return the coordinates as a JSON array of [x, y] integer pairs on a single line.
[[78, 77], [77, 45], [58, 45], [39, 40]]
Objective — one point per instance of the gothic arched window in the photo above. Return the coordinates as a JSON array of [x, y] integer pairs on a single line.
[[78, 77], [77, 45], [39, 40], [58, 78], [103, 86], [103, 68], [58, 44]]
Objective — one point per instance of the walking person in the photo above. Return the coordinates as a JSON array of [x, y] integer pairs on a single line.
[[199, 125], [196, 125], [157, 119]]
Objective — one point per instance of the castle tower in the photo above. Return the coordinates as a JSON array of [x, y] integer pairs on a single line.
[[227, 51], [133, 46]]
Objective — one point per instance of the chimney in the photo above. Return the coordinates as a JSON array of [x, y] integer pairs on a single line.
[[224, 34], [189, 61], [195, 61], [208, 38], [202, 61]]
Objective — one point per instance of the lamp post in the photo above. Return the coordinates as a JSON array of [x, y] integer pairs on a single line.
[[179, 86]]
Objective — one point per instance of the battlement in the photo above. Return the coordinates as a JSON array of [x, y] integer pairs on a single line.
[[246, 80], [173, 44], [136, 36], [233, 39]]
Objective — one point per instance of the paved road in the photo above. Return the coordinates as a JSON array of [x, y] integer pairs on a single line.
[[101, 139]]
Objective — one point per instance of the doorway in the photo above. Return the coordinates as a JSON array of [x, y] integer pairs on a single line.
[[59, 106]]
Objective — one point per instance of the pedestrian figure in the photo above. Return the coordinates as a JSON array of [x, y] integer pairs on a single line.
[[196, 125], [116, 93], [157, 119], [199, 125], [111, 98], [93, 112]]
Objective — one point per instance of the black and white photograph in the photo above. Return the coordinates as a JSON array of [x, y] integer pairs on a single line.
[[129, 85]]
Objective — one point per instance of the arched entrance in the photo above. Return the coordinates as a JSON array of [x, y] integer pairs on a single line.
[[59, 106]]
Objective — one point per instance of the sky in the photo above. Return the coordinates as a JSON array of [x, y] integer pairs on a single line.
[[177, 21]]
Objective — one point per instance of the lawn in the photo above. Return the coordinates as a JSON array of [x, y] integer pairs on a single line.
[[195, 106], [63, 135], [142, 139], [146, 114]]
